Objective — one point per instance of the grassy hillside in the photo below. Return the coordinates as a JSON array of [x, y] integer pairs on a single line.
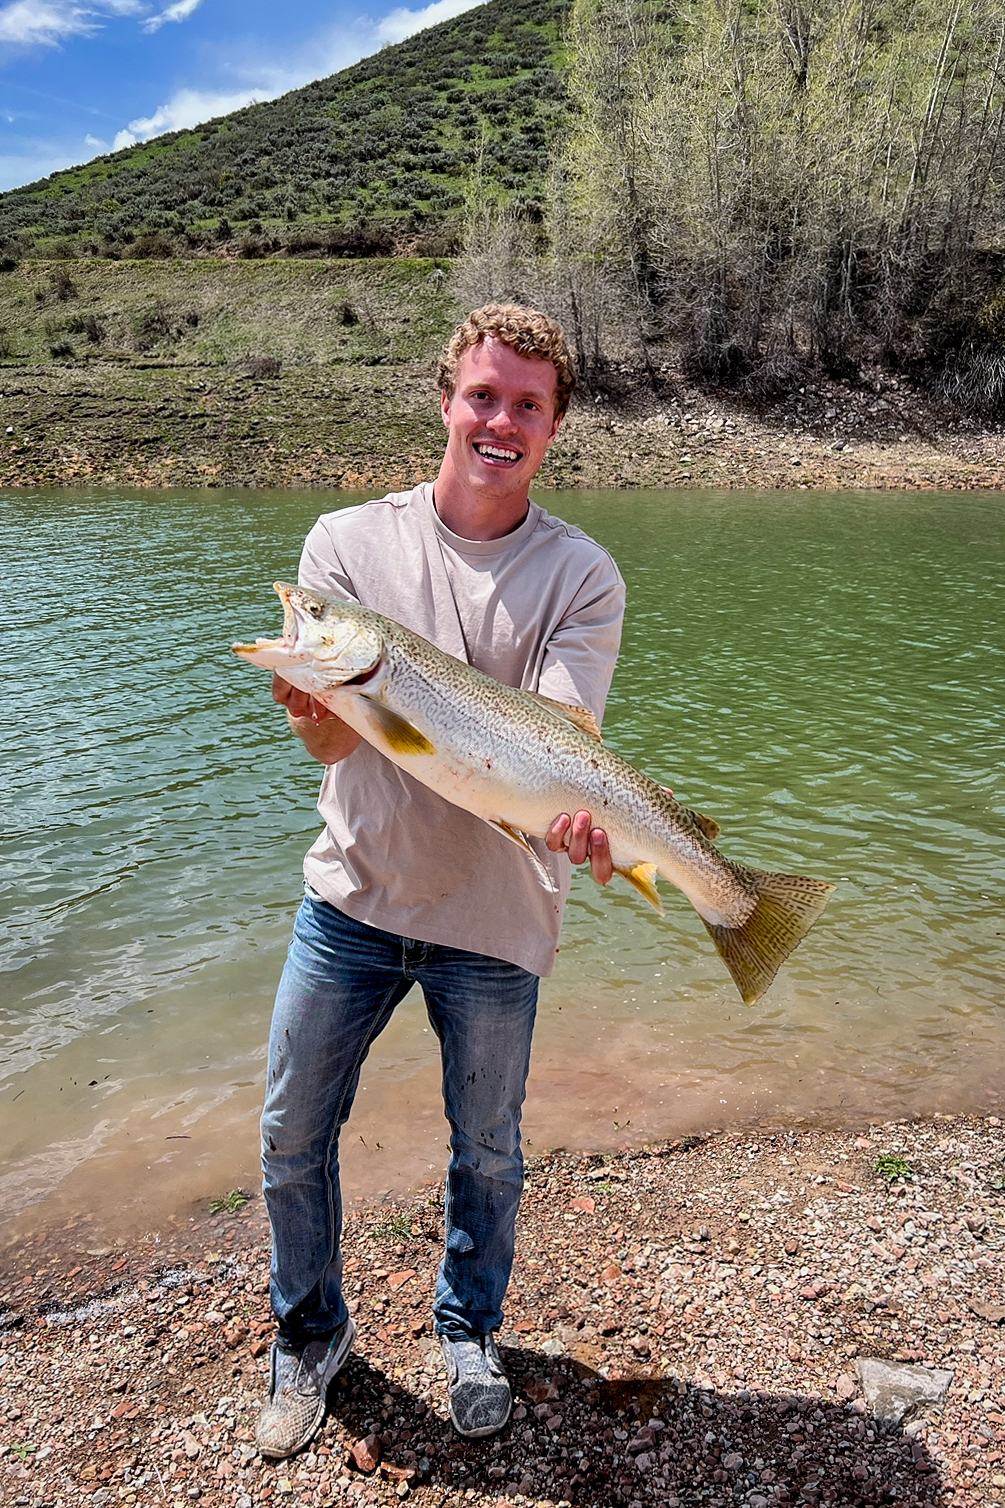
[[217, 312], [377, 158]]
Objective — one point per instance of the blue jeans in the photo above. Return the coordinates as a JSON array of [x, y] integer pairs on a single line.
[[341, 983]]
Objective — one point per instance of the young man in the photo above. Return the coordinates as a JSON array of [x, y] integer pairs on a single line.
[[403, 887]]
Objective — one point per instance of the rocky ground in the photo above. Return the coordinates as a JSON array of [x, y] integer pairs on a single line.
[[687, 1326], [145, 423]]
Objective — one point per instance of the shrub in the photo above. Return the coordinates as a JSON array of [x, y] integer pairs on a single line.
[[260, 366], [89, 325]]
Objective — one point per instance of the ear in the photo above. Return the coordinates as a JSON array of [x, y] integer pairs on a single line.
[[445, 408], [554, 430]]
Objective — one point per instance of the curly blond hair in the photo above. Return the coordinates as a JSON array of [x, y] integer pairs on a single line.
[[527, 331]]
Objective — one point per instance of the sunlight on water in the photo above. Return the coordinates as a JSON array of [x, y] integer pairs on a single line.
[[821, 673]]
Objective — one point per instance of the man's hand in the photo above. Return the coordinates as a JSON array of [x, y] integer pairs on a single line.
[[324, 735], [576, 837], [581, 842]]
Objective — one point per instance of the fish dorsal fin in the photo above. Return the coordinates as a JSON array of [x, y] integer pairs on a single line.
[[642, 877], [706, 825], [397, 734], [580, 717]]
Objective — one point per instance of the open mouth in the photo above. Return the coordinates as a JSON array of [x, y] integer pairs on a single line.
[[502, 455]]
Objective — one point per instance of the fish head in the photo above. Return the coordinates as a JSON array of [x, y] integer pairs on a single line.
[[325, 642]]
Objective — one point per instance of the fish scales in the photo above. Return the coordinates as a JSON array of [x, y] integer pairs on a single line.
[[517, 760]]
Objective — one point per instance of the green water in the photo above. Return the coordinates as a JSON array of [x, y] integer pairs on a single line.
[[821, 673]]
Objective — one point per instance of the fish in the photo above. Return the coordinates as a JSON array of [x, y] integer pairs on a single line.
[[516, 759]]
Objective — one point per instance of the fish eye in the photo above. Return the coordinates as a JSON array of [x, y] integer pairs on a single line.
[[315, 609]]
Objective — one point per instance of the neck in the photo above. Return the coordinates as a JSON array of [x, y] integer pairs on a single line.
[[472, 515]]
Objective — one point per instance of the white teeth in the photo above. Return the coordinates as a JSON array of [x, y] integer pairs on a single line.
[[498, 451]]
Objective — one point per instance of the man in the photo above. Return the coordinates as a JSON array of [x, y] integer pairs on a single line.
[[403, 887]]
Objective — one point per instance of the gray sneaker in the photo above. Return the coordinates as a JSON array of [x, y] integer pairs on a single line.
[[480, 1399], [298, 1384]]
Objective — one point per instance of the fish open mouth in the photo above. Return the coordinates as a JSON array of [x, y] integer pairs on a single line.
[[271, 651]]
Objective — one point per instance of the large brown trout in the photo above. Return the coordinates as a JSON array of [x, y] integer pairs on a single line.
[[517, 760]]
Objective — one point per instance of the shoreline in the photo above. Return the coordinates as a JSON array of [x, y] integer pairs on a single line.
[[376, 427], [688, 1314]]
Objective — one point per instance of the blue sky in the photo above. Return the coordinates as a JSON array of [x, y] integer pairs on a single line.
[[82, 77]]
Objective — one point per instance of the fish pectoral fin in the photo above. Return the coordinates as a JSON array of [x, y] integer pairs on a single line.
[[642, 877], [580, 717], [706, 825], [397, 733]]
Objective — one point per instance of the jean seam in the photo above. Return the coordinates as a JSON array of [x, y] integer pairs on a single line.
[[334, 1137]]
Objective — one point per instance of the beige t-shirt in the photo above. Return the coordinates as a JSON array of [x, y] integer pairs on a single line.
[[540, 609]]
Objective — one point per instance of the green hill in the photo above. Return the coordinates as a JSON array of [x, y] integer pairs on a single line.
[[381, 157]]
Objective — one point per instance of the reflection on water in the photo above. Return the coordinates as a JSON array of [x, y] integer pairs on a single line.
[[820, 673]]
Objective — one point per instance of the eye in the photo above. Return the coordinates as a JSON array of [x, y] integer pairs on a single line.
[[315, 609]]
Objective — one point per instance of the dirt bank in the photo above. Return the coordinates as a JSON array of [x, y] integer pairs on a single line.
[[683, 1328], [143, 424]]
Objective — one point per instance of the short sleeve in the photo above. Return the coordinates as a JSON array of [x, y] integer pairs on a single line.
[[581, 653], [321, 568]]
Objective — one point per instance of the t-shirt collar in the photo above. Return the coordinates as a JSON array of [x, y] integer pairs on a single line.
[[481, 547]]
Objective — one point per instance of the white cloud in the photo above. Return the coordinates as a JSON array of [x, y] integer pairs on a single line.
[[28, 167], [180, 11], [46, 22], [187, 108], [95, 142], [43, 21], [402, 23]]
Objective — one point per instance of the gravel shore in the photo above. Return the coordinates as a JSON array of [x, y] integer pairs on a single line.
[[372, 428], [683, 1328]]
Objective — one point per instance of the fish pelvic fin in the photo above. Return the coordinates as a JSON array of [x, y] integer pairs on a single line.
[[522, 841], [397, 733], [642, 877], [706, 825], [787, 906], [580, 717]]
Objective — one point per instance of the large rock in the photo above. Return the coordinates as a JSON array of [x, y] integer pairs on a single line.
[[895, 1390]]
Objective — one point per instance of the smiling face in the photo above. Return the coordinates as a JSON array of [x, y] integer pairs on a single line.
[[500, 422]]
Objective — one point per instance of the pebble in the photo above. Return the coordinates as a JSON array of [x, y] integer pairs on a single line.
[[659, 1349]]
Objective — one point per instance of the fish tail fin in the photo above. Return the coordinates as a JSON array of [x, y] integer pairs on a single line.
[[787, 906], [642, 877]]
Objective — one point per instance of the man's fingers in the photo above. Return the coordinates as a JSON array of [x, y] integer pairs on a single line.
[[601, 864], [555, 836], [581, 841], [298, 703], [579, 838]]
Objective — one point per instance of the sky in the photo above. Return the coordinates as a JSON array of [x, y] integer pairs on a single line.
[[83, 77]]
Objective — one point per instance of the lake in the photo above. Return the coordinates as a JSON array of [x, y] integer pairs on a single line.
[[821, 673]]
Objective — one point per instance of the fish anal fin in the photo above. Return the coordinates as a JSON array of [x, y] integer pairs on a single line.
[[397, 734], [642, 877], [706, 825], [786, 908], [580, 717]]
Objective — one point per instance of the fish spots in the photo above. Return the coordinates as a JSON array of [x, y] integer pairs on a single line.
[[488, 764]]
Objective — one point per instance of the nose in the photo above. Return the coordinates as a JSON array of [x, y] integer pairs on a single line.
[[502, 421]]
